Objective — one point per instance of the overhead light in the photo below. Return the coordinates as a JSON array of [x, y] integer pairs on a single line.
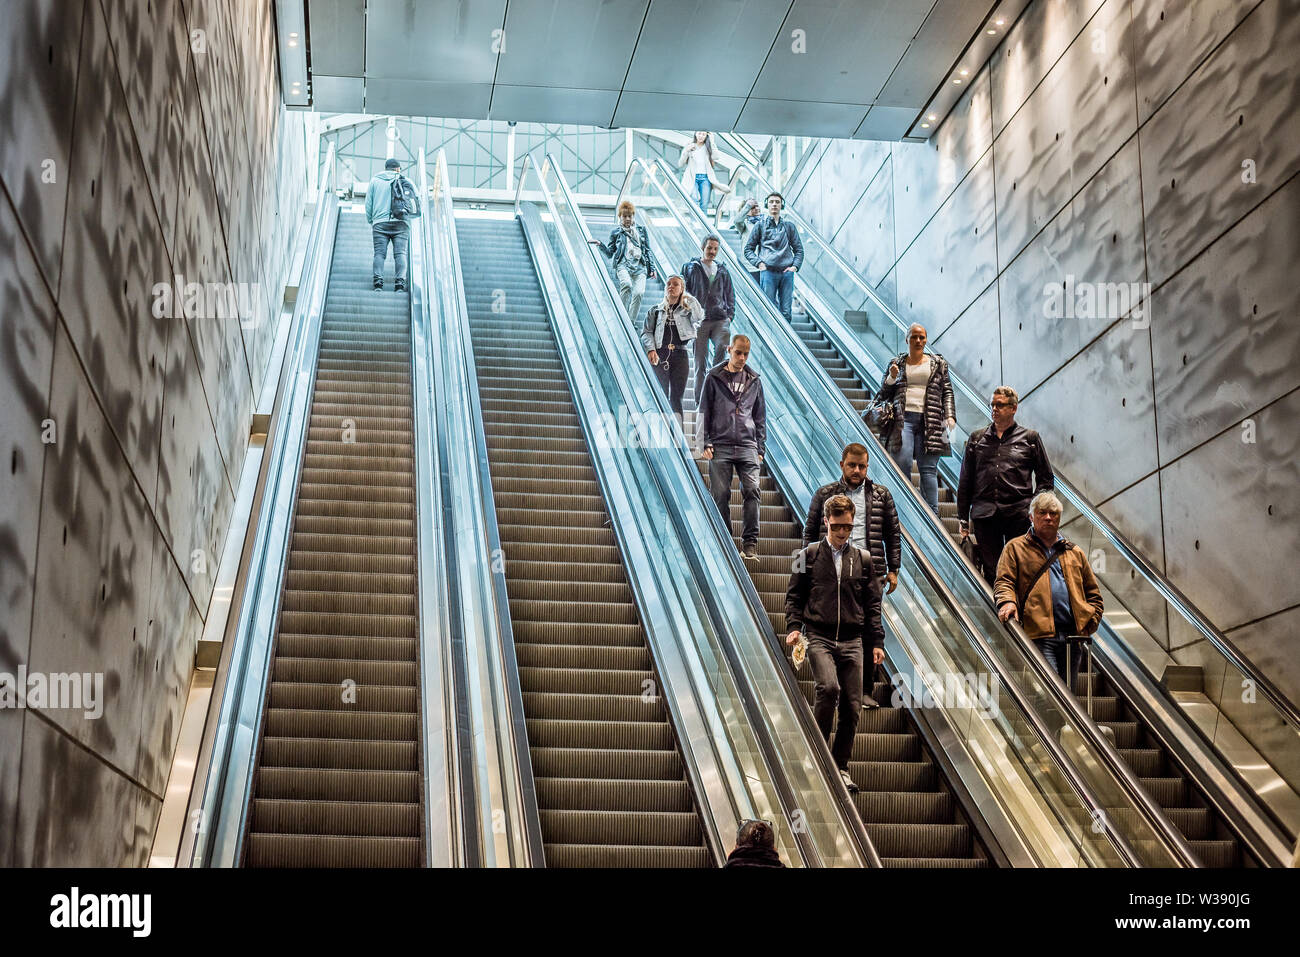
[[957, 80], [293, 36], [992, 32], [932, 117], [999, 21], [965, 72], [925, 126], [294, 43]]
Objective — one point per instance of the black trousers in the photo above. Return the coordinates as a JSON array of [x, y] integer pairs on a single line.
[[837, 673], [673, 381], [992, 535]]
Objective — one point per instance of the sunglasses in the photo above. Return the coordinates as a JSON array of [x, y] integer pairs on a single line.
[[840, 526], [1001, 405]]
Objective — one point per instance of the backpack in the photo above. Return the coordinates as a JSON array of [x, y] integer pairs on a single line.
[[405, 202]]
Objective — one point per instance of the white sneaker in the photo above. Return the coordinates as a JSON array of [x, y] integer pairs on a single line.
[[848, 782]]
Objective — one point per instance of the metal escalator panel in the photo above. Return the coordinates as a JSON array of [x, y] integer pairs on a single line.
[[611, 785], [338, 778]]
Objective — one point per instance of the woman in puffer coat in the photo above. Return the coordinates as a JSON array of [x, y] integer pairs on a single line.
[[924, 412], [668, 335]]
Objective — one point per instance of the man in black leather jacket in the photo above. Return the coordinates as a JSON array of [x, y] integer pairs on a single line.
[[834, 596], [1005, 466], [875, 520]]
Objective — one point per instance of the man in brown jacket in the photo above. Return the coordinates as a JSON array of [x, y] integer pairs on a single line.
[[1046, 583]]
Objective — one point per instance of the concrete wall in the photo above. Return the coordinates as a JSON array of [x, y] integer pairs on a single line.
[[1125, 141], [139, 139]]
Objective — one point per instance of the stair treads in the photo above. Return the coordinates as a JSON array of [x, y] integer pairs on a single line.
[[611, 785], [338, 780]]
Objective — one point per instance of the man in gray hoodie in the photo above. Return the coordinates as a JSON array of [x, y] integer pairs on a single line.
[[775, 250], [386, 229]]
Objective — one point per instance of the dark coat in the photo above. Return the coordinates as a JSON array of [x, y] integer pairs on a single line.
[[616, 248], [840, 609], [718, 298], [727, 419], [939, 405], [881, 522], [1002, 475], [754, 857]]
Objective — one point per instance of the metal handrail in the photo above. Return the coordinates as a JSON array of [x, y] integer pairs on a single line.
[[444, 781], [218, 803], [1167, 589], [494, 742], [1064, 700], [740, 573]]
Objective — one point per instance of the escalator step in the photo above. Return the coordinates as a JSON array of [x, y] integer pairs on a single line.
[[315, 850]]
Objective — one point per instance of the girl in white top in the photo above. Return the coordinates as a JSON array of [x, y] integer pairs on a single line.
[[697, 157]]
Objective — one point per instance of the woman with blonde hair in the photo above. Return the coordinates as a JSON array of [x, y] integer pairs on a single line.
[[629, 252]]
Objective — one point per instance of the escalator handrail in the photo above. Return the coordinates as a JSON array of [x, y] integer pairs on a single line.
[[1065, 701], [458, 395], [445, 785], [218, 804], [706, 508], [1224, 645]]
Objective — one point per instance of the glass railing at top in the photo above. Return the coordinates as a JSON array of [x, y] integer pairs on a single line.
[[724, 748], [753, 647], [502, 825], [825, 423], [1147, 616]]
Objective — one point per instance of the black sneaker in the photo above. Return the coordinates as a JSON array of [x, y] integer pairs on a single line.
[[379, 285], [749, 552], [400, 286]]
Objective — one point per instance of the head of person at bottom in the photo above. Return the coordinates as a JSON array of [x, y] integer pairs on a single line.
[[1045, 513], [853, 464], [755, 846], [737, 353], [838, 519]]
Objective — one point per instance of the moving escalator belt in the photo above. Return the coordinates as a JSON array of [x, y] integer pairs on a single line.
[[338, 780], [611, 785]]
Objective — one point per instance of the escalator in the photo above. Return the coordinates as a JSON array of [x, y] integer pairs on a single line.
[[611, 785], [337, 780], [1206, 832], [906, 806]]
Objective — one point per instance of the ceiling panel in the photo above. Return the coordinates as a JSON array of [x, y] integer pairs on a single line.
[[675, 111], [841, 68], [428, 98], [447, 40], [885, 123], [338, 94], [845, 53], [338, 36], [543, 104], [940, 41], [810, 119], [578, 44], [713, 45]]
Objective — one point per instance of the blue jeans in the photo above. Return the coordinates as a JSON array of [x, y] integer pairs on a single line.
[[744, 461], [1054, 650], [926, 462], [778, 286], [703, 190], [399, 234]]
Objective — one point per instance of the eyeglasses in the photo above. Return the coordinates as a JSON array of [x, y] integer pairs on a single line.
[[840, 526]]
